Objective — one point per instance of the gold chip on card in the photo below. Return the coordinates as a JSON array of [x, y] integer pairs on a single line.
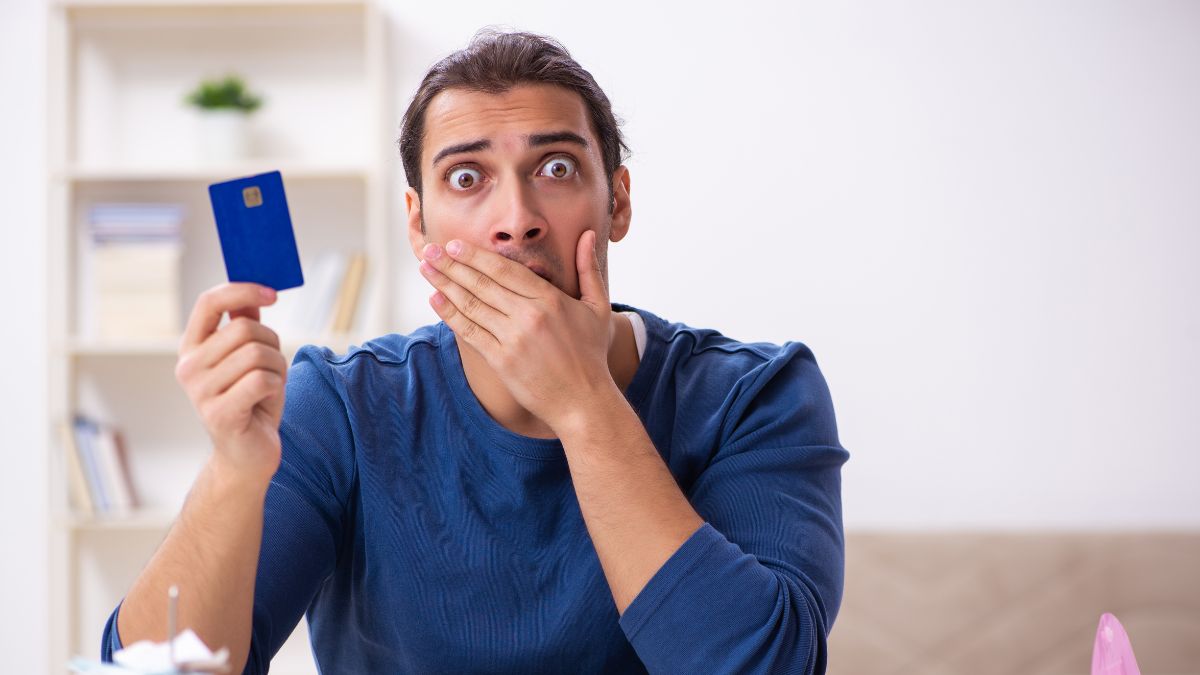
[[252, 196]]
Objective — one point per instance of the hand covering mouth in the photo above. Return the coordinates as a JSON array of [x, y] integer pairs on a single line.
[[537, 268], [540, 271]]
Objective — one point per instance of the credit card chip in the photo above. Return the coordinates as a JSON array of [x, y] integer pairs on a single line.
[[252, 196]]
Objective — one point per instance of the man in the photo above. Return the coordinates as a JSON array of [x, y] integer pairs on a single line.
[[544, 481]]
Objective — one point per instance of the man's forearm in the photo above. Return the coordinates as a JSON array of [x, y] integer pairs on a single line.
[[211, 553], [634, 510]]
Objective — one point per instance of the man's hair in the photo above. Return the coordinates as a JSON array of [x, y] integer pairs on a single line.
[[495, 62]]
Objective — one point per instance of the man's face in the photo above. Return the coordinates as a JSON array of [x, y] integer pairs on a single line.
[[520, 174]]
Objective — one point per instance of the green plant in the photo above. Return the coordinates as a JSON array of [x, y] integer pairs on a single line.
[[229, 92]]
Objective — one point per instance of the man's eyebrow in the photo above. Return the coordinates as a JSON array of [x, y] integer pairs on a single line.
[[535, 140], [472, 146], [557, 137]]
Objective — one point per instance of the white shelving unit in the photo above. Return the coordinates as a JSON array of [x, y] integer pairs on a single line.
[[119, 131]]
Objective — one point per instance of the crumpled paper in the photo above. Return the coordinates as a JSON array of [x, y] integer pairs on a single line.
[[154, 658]]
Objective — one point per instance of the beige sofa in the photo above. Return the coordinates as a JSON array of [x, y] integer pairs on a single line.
[[977, 604]]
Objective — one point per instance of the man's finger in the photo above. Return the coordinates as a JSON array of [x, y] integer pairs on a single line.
[[462, 325], [467, 301], [215, 302], [509, 274], [587, 261], [250, 312], [231, 336], [441, 270]]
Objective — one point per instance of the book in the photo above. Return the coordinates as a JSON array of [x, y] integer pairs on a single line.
[[348, 295], [81, 497], [123, 461], [326, 278], [135, 256], [328, 303], [104, 484], [91, 463], [112, 474]]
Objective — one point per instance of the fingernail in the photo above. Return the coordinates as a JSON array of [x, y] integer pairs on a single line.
[[454, 247], [432, 251], [267, 293]]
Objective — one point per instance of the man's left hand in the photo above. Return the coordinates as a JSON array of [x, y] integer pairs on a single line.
[[548, 348]]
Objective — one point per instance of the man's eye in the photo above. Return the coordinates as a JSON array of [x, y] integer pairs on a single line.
[[558, 167], [463, 178]]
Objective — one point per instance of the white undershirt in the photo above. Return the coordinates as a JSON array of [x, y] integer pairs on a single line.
[[639, 331]]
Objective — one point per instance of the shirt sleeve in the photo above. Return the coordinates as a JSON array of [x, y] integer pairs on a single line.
[[303, 514], [757, 587]]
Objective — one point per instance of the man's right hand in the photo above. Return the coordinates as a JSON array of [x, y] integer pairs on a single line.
[[235, 378]]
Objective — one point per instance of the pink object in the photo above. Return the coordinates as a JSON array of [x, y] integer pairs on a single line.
[[1113, 655]]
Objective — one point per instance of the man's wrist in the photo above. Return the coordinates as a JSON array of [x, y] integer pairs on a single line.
[[598, 407], [228, 480]]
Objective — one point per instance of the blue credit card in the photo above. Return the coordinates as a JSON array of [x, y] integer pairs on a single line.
[[255, 229]]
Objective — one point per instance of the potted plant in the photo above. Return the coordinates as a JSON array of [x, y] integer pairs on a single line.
[[225, 107]]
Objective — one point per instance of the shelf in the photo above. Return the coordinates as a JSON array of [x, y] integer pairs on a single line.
[[83, 347], [135, 68], [130, 347], [119, 130], [214, 173], [150, 520], [202, 4]]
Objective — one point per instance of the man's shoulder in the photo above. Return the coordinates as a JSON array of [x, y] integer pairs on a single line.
[[384, 365], [333, 398], [710, 352], [392, 349], [751, 390]]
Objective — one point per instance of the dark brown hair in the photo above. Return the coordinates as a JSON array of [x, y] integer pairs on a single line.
[[495, 62]]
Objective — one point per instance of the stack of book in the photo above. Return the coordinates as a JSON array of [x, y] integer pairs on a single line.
[[327, 304], [98, 469], [136, 253]]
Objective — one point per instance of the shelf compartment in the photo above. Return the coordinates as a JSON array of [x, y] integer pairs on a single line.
[[327, 215], [134, 68], [292, 171]]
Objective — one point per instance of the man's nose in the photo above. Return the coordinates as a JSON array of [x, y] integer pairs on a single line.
[[518, 220]]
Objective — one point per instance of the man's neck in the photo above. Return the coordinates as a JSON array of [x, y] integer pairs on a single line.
[[495, 398]]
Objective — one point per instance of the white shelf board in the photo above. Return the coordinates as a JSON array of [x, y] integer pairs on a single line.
[[86, 347], [117, 131], [194, 4], [150, 520], [128, 347], [212, 173]]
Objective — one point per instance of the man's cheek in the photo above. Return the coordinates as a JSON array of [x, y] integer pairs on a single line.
[[448, 222]]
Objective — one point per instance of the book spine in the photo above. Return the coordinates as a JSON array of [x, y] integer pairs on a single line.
[[330, 269], [347, 302], [91, 464], [81, 498], [110, 468], [126, 474]]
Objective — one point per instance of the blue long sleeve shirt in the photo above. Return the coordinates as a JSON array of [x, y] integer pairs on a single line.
[[418, 535]]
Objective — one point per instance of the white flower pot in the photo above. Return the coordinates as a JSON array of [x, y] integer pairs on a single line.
[[223, 135]]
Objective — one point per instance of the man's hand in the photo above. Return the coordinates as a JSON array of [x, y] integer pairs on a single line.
[[235, 377], [550, 349]]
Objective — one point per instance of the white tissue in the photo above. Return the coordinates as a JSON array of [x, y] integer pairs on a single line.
[[154, 657]]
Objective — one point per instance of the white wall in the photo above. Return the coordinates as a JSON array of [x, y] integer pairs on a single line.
[[23, 640], [983, 217]]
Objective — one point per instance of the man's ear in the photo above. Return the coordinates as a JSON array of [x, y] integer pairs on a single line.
[[622, 208], [416, 238]]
